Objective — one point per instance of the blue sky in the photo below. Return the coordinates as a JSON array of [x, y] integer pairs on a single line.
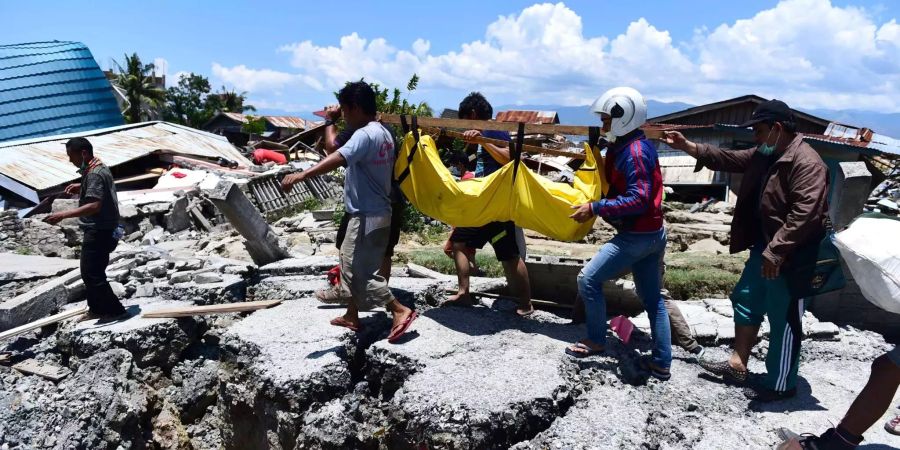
[[290, 56]]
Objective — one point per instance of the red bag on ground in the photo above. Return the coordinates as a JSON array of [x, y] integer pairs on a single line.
[[334, 275]]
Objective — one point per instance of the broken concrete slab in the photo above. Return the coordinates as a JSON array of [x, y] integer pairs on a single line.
[[36, 303], [456, 382], [306, 265], [711, 415], [231, 288], [99, 406], [177, 219], [14, 266], [278, 362], [152, 342], [261, 241]]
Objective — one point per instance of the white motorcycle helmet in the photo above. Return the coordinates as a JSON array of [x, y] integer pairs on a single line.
[[627, 108]]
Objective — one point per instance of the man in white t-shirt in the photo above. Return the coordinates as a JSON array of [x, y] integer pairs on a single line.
[[369, 158]]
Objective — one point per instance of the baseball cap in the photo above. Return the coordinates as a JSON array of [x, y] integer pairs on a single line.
[[770, 111]]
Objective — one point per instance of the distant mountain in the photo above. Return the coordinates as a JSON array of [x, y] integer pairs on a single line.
[[581, 115], [881, 123]]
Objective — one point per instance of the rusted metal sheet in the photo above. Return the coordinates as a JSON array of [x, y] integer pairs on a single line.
[[42, 163], [528, 116], [292, 122]]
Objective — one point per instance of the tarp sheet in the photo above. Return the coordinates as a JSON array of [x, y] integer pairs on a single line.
[[528, 199]]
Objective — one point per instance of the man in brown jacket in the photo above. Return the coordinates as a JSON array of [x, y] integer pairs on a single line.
[[781, 207]]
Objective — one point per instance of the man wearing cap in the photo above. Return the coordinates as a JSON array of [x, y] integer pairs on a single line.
[[98, 212], [781, 206]]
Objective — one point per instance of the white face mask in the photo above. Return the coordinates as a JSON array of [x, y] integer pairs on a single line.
[[610, 137]]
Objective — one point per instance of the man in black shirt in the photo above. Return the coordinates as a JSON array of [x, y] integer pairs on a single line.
[[98, 212]]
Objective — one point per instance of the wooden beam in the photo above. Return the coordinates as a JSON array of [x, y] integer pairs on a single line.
[[43, 322], [191, 311], [46, 370], [464, 124], [535, 301], [135, 178]]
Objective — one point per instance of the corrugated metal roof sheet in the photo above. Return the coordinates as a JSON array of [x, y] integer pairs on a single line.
[[536, 117], [42, 163], [53, 87], [277, 121], [680, 170]]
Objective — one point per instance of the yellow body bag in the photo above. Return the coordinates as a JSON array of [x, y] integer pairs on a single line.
[[531, 201]]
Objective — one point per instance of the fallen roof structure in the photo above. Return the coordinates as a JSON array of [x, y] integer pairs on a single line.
[[32, 167]]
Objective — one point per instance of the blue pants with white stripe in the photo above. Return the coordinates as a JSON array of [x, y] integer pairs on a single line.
[[755, 297]]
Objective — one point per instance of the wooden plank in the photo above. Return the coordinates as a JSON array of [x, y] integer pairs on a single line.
[[654, 132], [43, 322], [417, 271], [464, 124], [4, 357], [46, 370], [535, 301], [191, 311], [201, 219], [136, 178]]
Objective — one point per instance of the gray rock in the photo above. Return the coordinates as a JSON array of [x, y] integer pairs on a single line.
[[97, 407], [207, 278], [145, 290], [117, 289], [823, 331], [180, 277], [157, 269]]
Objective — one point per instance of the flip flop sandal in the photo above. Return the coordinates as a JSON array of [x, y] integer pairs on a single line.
[[403, 327], [341, 322], [723, 369], [647, 366], [586, 353]]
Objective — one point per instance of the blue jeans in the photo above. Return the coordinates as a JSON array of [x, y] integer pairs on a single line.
[[643, 253]]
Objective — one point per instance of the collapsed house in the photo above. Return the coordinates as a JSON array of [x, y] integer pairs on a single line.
[[231, 125]]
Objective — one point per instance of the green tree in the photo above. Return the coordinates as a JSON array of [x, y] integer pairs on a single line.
[[187, 103], [230, 101], [254, 125], [393, 101], [137, 79]]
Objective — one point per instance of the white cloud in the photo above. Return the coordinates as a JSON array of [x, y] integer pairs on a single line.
[[421, 47], [252, 80], [808, 52]]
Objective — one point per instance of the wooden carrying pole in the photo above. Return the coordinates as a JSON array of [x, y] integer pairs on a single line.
[[530, 128]]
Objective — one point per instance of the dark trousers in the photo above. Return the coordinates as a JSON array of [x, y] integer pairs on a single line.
[[95, 250]]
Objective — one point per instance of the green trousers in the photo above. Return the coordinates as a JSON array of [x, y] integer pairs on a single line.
[[755, 297]]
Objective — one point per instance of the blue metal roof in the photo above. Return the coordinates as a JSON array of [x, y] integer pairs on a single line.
[[55, 87]]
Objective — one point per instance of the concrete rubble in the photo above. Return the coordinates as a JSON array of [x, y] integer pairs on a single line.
[[283, 378]]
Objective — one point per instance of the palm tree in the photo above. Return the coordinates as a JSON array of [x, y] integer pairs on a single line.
[[231, 101], [136, 79]]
